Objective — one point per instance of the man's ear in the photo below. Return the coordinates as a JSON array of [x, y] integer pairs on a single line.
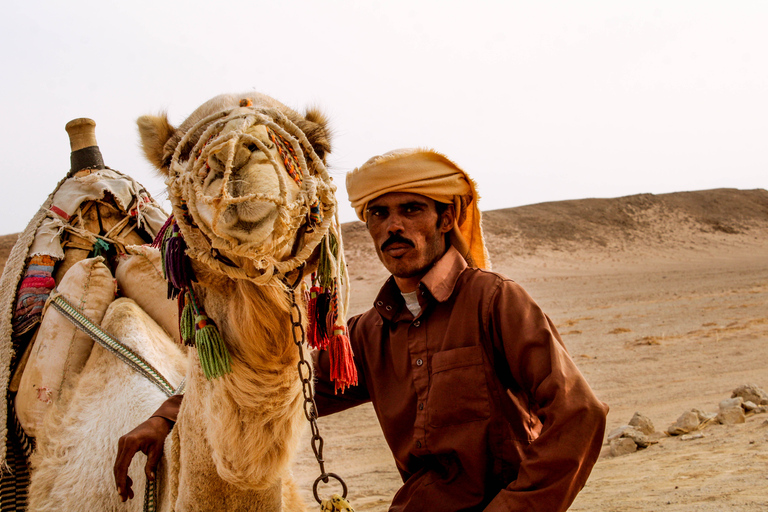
[[447, 219]]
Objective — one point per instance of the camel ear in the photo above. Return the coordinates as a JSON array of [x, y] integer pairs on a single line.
[[155, 132], [316, 128]]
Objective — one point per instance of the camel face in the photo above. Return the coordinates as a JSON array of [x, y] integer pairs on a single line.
[[247, 180], [256, 173]]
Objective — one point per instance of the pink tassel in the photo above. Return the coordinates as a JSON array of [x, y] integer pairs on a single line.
[[343, 370]]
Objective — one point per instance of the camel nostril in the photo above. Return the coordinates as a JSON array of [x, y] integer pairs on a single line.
[[252, 147]]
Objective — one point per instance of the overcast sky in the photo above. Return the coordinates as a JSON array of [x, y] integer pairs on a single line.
[[538, 101]]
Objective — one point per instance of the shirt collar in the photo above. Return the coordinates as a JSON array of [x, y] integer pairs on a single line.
[[439, 282]]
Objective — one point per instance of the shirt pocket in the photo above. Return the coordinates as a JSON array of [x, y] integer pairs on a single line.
[[458, 392]]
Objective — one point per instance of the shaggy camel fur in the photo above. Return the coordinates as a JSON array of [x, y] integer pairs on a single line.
[[235, 435]]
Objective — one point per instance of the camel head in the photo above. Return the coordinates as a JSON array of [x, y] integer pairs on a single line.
[[247, 180]]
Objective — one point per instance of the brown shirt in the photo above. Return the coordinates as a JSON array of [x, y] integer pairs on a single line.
[[477, 397]]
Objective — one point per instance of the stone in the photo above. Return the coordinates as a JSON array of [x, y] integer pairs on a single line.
[[691, 437], [641, 440], [622, 446], [687, 422], [749, 406], [731, 411], [642, 423], [704, 417], [616, 433], [751, 393]]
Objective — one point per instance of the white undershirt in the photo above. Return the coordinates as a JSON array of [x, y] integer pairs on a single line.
[[412, 302]]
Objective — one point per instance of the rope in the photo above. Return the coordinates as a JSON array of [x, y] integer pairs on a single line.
[[129, 357], [125, 354], [316, 193]]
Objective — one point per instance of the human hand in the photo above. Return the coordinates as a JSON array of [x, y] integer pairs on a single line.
[[148, 438]]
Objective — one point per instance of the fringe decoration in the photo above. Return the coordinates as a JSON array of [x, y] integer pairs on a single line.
[[312, 315], [100, 248], [177, 269], [214, 356], [327, 327], [187, 321], [343, 370], [336, 503]]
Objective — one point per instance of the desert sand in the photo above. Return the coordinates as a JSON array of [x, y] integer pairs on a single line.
[[662, 300]]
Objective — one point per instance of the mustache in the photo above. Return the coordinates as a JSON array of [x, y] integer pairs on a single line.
[[395, 239]]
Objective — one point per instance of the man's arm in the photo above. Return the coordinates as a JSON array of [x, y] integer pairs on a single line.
[[147, 438], [557, 464]]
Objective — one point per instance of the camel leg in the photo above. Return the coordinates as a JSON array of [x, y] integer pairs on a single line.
[[76, 449]]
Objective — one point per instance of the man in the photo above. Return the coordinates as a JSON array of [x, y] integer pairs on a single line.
[[477, 397]]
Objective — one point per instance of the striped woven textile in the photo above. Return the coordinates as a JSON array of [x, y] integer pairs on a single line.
[[33, 292], [15, 478]]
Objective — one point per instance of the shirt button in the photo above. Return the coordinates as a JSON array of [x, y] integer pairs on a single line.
[[418, 444], [421, 406], [416, 323], [379, 303], [389, 308], [419, 362]]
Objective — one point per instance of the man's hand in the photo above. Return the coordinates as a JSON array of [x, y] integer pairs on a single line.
[[148, 438]]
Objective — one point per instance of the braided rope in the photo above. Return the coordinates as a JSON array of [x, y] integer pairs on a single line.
[[258, 262], [125, 354]]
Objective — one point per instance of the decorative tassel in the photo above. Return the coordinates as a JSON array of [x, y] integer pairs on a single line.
[[100, 248], [336, 503], [178, 271], [187, 321], [320, 326], [311, 317], [214, 356], [160, 238], [343, 369]]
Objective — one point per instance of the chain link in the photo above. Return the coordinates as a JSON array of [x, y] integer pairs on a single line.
[[310, 407]]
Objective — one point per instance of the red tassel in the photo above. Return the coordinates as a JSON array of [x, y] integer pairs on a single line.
[[343, 370]]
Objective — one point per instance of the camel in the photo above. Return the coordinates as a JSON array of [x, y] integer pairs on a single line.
[[255, 206]]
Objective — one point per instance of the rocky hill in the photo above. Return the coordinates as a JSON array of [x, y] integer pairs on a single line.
[[632, 223]]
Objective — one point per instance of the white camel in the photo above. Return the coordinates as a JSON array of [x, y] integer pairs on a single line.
[[252, 200]]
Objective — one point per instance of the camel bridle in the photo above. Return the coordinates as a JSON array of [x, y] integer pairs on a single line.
[[315, 203]]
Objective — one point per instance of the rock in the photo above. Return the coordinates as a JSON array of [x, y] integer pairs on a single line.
[[642, 423], [731, 411], [640, 439], [687, 422], [704, 417], [751, 393], [691, 437], [622, 446], [749, 406], [616, 433]]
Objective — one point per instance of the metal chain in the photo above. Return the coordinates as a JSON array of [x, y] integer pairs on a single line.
[[310, 408]]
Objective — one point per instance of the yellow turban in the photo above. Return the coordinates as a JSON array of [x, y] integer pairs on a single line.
[[425, 172]]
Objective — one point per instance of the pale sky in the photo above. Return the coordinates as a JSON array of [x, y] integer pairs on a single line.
[[538, 101]]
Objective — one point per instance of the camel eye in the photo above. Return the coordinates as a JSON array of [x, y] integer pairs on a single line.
[[252, 147]]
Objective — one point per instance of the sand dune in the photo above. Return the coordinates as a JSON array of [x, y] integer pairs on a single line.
[[663, 302]]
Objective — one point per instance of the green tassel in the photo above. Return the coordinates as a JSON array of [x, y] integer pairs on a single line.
[[213, 354], [100, 248], [187, 322]]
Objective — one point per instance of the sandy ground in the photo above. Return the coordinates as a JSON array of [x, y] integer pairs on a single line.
[[663, 303], [657, 323]]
